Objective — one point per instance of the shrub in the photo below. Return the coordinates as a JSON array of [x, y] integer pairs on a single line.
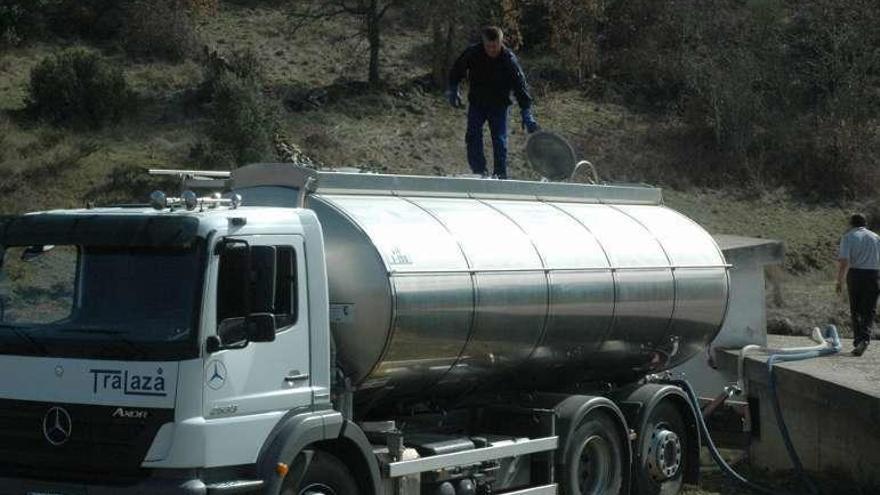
[[13, 20], [94, 20], [244, 65], [98, 20], [78, 88], [163, 29], [21, 20], [243, 122]]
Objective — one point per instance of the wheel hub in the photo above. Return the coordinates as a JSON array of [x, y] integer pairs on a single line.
[[664, 454], [317, 489], [595, 466]]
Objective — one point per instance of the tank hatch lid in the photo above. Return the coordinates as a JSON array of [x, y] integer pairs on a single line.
[[343, 183]]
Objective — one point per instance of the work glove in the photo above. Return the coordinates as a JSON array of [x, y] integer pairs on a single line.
[[528, 121], [453, 97]]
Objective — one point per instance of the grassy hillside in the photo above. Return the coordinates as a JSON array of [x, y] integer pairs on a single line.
[[403, 127]]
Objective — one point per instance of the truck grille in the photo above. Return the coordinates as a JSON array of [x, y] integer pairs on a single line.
[[73, 442]]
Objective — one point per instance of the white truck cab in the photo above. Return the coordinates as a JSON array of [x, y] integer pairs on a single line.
[[115, 377]]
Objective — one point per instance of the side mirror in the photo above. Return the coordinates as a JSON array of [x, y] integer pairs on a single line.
[[260, 327], [32, 252], [232, 333], [237, 333], [246, 292]]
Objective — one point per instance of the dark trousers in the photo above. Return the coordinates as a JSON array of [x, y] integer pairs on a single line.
[[497, 118], [863, 287]]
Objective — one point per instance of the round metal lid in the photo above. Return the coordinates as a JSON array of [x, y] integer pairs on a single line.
[[550, 155]]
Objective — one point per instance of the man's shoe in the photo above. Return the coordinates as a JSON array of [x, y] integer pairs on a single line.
[[860, 349]]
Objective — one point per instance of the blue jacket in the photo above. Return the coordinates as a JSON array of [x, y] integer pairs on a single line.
[[491, 79]]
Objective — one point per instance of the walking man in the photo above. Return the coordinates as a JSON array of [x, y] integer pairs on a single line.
[[493, 72], [859, 262]]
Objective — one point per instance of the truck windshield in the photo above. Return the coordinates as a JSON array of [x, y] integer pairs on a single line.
[[100, 302]]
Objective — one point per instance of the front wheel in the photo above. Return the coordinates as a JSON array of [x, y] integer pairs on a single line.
[[326, 475], [594, 464]]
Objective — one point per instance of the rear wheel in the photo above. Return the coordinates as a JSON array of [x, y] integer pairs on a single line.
[[326, 475], [662, 451], [594, 463]]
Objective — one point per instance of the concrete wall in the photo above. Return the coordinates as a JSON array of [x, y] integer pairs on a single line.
[[831, 406], [827, 437]]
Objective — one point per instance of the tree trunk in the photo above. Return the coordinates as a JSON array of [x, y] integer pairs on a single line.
[[443, 21], [438, 50], [449, 56], [374, 39]]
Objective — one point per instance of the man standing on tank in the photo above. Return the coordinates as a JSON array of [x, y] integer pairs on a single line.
[[859, 262], [493, 72]]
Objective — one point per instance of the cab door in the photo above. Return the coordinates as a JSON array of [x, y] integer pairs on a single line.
[[250, 378]]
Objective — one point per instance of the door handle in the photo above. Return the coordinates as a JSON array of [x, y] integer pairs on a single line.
[[296, 377]]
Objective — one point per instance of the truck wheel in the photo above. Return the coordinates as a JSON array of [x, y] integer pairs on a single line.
[[662, 451], [326, 475], [594, 463]]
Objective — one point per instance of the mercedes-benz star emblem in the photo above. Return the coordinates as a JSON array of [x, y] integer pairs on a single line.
[[57, 426], [216, 374]]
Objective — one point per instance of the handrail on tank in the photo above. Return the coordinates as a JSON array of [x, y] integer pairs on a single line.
[[612, 269], [309, 180]]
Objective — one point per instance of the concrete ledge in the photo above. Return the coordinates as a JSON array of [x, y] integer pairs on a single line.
[[750, 249], [831, 406]]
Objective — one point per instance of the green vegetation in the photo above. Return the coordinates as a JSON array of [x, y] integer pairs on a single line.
[[757, 117], [162, 29], [78, 88], [243, 122]]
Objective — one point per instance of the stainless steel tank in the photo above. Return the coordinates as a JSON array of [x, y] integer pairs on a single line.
[[440, 285]]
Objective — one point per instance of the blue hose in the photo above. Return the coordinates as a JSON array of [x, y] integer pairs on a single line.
[[833, 338]]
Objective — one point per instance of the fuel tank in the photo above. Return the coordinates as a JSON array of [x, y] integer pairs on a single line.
[[440, 286]]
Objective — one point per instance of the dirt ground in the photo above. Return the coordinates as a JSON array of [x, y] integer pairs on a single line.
[[715, 482]]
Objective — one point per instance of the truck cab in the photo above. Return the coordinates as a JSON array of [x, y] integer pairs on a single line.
[[137, 341]]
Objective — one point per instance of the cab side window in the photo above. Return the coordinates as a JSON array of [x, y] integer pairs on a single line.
[[258, 279], [285, 307]]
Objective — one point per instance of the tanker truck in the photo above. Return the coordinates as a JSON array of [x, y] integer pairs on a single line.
[[329, 333]]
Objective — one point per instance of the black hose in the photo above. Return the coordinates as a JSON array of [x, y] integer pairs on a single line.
[[713, 450], [786, 438], [833, 338]]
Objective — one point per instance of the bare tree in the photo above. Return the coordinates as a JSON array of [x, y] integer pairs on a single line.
[[369, 13], [574, 36], [454, 23], [444, 19]]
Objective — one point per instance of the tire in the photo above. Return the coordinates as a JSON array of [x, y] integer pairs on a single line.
[[326, 475], [665, 416], [594, 464]]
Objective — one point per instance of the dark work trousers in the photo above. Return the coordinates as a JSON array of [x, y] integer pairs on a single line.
[[863, 287], [477, 116]]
